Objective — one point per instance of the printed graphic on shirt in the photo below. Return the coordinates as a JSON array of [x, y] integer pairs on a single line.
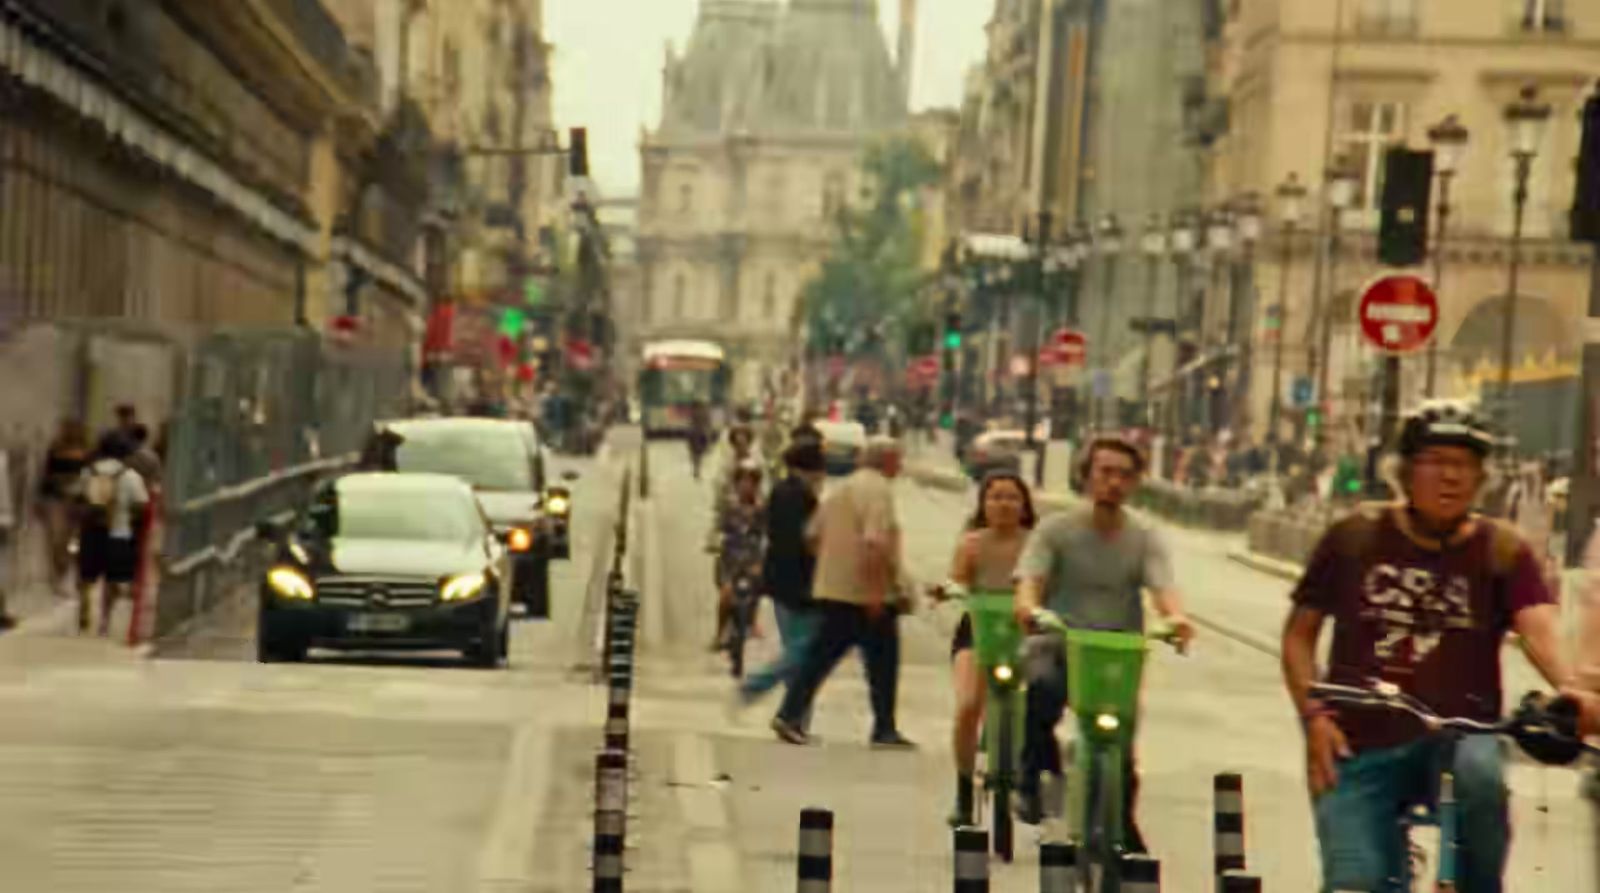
[[1414, 607]]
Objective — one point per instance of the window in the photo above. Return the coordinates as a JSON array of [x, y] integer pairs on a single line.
[[769, 297], [1542, 16], [1387, 17], [1369, 128]]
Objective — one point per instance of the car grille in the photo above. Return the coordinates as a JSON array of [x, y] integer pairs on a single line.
[[376, 592]]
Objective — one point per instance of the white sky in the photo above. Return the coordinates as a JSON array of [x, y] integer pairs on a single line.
[[609, 53]]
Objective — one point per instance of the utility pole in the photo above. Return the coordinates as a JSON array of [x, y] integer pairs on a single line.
[[1585, 472]]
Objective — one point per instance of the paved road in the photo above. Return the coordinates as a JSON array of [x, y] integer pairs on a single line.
[[201, 770]]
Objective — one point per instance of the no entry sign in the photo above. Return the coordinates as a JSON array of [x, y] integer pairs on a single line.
[[1398, 313], [1071, 346]]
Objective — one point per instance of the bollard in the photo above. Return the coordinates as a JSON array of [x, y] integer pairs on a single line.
[[1140, 874], [816, 851], [1058, 868], [617, 727], [610, 820], [1239, 882], [972, 860], [1227, 824]]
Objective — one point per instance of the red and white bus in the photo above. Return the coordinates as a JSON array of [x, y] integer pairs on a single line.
[[673, 377]]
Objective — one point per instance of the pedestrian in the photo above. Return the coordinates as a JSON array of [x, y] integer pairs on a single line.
[[59, 483], [986, 560], [739, 452], [111, 500], [1091, 566], [700, 435], [8, 525], [143, 459], [789, 567], [741, 549], [859, 594]]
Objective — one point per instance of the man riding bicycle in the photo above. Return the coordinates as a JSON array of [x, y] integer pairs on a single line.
[[1421, 594], [1091, 566]]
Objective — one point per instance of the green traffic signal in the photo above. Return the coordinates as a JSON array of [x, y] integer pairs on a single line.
[[947, 421], [952, 340]]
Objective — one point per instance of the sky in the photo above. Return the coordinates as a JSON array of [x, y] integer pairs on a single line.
[[609, 53]]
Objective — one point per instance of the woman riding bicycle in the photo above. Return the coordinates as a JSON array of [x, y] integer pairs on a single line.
[[741, 542], [984, 559]]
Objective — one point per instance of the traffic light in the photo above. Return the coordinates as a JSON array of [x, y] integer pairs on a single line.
[[1403, 226], [1314, 417], [578, 152], [952, 331]]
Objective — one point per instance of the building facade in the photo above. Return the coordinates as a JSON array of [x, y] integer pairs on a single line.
[[765, 118], [1307, 82]]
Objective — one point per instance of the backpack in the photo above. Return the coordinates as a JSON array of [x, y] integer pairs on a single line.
[[99, 496]]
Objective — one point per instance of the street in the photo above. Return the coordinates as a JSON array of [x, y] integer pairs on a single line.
[[198, 769]]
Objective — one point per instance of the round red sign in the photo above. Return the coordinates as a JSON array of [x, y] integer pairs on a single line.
[[1071, 346], [1398, 313]]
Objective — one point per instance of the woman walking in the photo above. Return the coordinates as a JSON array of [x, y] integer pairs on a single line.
[[985, 559], [60, 485]]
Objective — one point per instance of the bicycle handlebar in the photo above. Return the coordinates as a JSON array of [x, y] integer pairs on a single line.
[[1387, 695], [1050, 621]]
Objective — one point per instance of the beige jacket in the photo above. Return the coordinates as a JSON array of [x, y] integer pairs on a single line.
[[858, 541]]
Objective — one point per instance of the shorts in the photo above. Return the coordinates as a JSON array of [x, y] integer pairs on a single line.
[[963, 637], [104, 557]]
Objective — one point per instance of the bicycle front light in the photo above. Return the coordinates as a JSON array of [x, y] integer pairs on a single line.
[[1105, 722], [462, 587], [290, 583], [1004, 673]]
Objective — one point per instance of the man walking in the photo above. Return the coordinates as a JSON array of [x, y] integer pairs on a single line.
[[113, 497], [858, 595]]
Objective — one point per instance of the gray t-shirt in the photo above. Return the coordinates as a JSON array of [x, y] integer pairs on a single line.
[[1092, 581]]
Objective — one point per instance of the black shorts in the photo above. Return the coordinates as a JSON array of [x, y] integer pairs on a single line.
[[963, 637], [101, 556]]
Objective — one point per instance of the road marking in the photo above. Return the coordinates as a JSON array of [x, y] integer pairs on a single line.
[[508, 850]]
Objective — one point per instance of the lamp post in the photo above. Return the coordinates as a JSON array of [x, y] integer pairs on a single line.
[[1449, 139], [1041, 250], [1527, 119], [1290, 196], [1342, 181], [1108, 244], [1154, 244], [1182, 241], [1242, 312], [1219, 245]]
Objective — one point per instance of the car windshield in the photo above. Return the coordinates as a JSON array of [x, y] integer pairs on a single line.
[[493, 459], [394, 515]]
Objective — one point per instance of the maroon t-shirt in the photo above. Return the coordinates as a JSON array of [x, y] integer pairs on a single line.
[[1428, 620]]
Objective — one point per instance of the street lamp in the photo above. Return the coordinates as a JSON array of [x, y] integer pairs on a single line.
[[1219, 243], [1527, 119], [1242, 311], [1182, 241], [1342, 180], [1154, 245], [1290, 195], [1449, 139], [1108, 244]]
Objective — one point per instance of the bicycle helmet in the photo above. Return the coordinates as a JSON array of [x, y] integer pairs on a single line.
[[1445, 423], [1547, 729]]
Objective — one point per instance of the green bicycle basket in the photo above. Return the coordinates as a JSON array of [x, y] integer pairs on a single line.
[[1103, 672], [995, 634]]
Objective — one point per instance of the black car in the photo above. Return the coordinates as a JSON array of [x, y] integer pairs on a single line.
[[386, 561], [502, 460]]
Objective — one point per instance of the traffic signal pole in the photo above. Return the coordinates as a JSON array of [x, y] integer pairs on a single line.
[[1032, 417]]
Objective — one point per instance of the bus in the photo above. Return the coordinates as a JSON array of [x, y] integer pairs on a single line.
[[673, 377]]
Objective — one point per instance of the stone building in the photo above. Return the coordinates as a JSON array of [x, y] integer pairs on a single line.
[[1388, 72], [765, 117]]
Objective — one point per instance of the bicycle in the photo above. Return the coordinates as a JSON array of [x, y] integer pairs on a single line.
[[1532, 718], [996, 643], [1104, 671], [740, 619]]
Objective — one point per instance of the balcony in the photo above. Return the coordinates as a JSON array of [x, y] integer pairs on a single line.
[[322, 38]]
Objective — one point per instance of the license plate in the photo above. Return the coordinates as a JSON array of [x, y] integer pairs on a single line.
[[378, 623]]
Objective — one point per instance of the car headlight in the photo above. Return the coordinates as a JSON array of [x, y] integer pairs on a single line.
[[290, 583], [558, 504], [462, 587], [519, 539]]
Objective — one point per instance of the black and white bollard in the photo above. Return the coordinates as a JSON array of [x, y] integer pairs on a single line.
[[972, 860], [1058, 867], [617, 727], [610, 819], [1239, 882], [1227, 824], [1140, 874], [816, 851]]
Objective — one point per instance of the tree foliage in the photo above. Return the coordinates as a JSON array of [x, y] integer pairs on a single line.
[[865, 292]]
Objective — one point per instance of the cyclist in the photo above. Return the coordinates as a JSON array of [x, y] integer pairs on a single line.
[[1091, 566], [1421, 593], [986, 559], [742, 538], [733, 455]]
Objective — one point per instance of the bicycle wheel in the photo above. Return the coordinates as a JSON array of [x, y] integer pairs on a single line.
[[738, 630], [1109, 819], [1004, 710]]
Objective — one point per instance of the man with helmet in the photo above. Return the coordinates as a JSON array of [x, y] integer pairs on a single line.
[[1421, 593]]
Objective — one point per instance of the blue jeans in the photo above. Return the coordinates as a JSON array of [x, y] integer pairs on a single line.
[[1363, 844], [796, 628]]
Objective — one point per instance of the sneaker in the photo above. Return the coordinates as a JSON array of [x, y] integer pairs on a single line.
[[789, 733], [892, 741], [1027, 808]]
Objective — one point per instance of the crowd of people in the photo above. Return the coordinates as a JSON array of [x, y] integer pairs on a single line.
[[92, 502], [1418, 593]]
